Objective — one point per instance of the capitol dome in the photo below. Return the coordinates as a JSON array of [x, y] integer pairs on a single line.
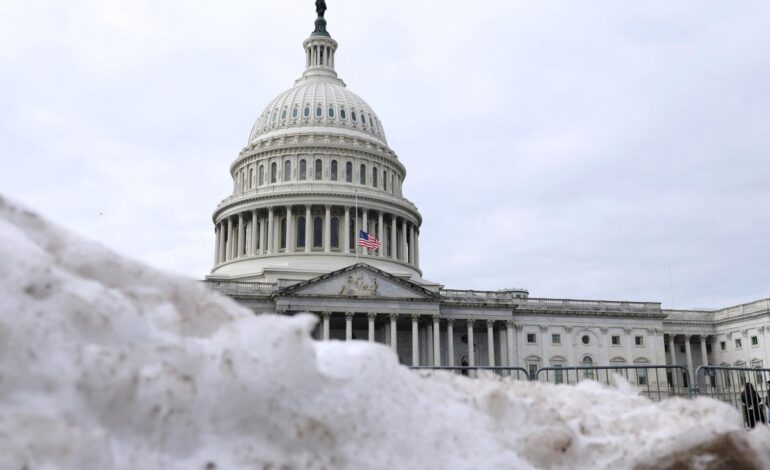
[[315, 179]]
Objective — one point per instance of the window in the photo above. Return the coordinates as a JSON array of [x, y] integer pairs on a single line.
[[531, 338], [639, 340], [708, 348], [343, 114], [384, 180], [616, 340], [331, 112], [585, 339], [532, 368], [335, 238], [754, 341], [738, 344], [306, 113], [556, 338], [666, 348], [682, 348], [374, 176], [362, 174], [588, 373], [558, 375], [294, 113], [261, 175], [284, 113], [251, 178], [283, 233], [723, 345], [353, 116], [319, 166], [317, 232], [287, 170], [349, 172], [303, 169], [363, 118], [334, 170], [641, 376], [300, 232], [318, 111], [273, 172]]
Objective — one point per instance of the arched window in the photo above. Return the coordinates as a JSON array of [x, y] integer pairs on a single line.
[[273, 172], [343, 114], [353, 116], [244, 182], [352, 234], [392, 183], [283, 233], [335, 238], [261, 175], [334, 170], [318, 232], [349, 172], [363, 119], [319, 112], [300, 232], [363, 174], [294, 113], [303, 169], [319, 166], [287, 170], [306, 113], [284, 113], [374, 176], [588, 373], [384, 180], [251, 178], [331, 112]]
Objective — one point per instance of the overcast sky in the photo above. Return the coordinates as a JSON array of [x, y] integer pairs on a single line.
[[579, 149]]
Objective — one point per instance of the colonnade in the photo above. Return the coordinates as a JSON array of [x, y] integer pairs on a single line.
[[688, 353], [327, 228], [428, 328]]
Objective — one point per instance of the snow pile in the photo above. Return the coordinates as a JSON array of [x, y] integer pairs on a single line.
[[105, 363]]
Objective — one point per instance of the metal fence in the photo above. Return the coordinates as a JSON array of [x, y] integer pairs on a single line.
[[745, 388], [517, 373], [654, 382]]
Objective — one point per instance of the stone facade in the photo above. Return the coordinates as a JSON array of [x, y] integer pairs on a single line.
[[317, 170]]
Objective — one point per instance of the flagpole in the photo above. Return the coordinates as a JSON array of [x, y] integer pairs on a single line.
[[356, 228]]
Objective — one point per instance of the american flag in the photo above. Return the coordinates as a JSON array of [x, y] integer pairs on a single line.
[[368, 241]]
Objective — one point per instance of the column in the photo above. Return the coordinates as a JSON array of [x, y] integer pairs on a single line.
[[509, 330], [229, 247], [703, 353], [503, 345], [415, 342], [411, 243], [241, 230], [289, 231], [436, 341], [491, 342], [365, 227], [262, 237], [689, 356], [371, 316], [308, 229], [217, 238], [381, 234], [471, 352], [328, 229], [254, 226], [417, 248], [393, 333], [346, 249], [326, 317], [270, 230], [450, 339], [404, 252], [393, 237], [348, 326], [671, 350]]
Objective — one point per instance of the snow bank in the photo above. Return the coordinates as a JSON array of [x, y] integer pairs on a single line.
[[106, 363]]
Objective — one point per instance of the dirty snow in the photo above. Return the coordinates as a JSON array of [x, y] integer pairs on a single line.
[[106, 363]]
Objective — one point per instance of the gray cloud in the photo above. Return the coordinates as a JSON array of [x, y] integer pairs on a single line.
[[577, 149]]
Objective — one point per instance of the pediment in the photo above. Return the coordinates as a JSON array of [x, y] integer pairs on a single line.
[[359, 281]]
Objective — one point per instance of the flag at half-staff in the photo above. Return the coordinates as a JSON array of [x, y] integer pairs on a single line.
[[368, 241]]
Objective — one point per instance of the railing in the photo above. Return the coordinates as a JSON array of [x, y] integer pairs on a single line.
[[242, 288], [589, 304], [653, 382], [518, 373], [481, 295], [745, 388]]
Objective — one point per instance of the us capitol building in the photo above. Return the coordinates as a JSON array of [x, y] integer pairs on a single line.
[[317, 169]]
